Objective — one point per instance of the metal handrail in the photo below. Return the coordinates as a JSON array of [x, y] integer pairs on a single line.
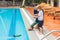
[[50, 33]]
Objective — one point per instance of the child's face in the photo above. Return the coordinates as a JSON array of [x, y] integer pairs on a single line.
[[35, 7], [39, 8]]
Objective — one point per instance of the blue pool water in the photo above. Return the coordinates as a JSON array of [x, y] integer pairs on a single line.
[[11, 23]]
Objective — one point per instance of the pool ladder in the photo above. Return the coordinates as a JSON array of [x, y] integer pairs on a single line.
[[50, 33]]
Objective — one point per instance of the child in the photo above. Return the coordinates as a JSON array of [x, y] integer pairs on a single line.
[[39, 18]]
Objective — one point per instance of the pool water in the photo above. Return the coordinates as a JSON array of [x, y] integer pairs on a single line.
[[11, 23]]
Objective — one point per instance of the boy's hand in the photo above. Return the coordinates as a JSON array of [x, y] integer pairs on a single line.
[[35, 16]]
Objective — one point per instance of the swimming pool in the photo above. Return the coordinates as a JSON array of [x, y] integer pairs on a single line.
[[11, 23]]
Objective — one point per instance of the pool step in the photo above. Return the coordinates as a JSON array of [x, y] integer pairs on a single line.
[[39, 35]]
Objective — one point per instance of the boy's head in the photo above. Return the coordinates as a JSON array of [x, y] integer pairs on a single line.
[[39, 7]]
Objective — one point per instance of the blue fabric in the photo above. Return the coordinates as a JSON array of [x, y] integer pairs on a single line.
[[40, 23], [35, 11]]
